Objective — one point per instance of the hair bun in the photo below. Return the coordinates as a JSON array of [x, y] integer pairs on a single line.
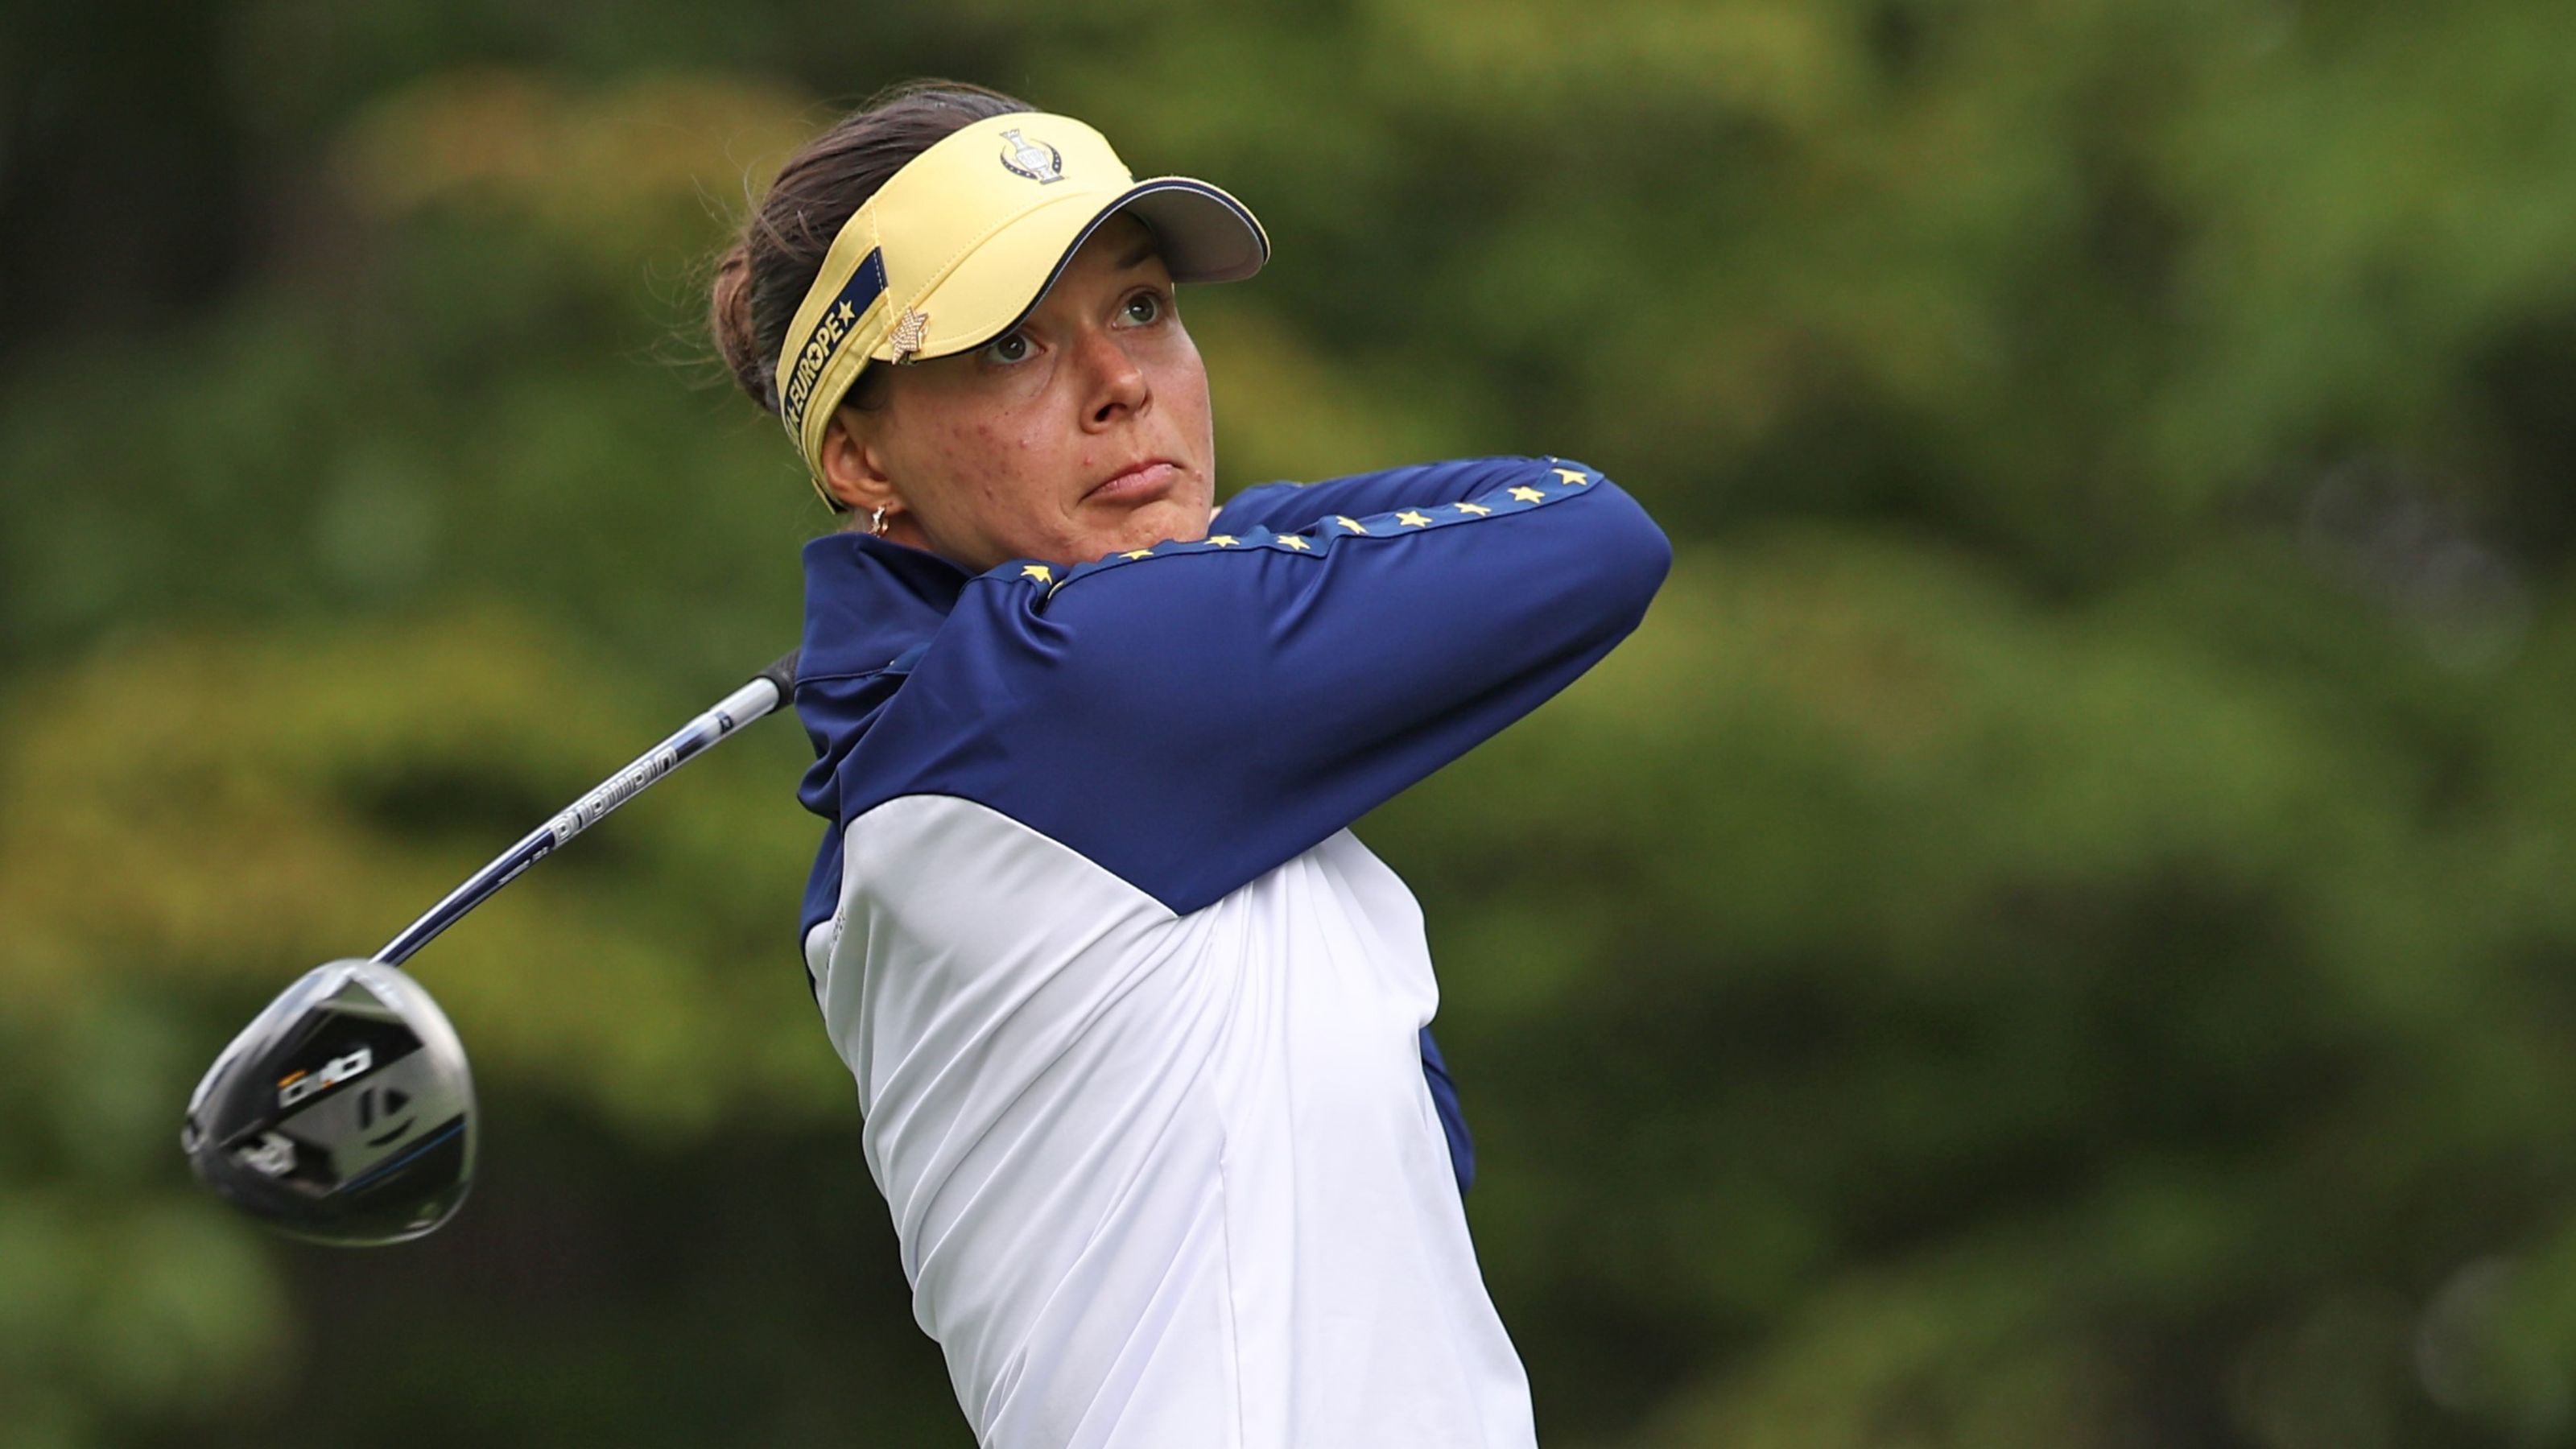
[[729, 318]]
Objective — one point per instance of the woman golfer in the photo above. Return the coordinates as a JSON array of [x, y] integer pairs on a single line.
[[1136, 1022]]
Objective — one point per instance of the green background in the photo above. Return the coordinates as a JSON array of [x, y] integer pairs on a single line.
[[2057, 932]]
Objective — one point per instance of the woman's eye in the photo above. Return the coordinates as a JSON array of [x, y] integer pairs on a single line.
[[1144, 307], [1007, 350]]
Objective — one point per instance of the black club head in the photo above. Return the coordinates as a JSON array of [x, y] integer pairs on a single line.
[[343, 1113]]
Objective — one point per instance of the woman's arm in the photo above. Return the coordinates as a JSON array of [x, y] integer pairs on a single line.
[[1192, 715], [1294, 507]]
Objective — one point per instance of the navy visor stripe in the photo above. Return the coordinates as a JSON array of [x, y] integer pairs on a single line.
[[856, 295]]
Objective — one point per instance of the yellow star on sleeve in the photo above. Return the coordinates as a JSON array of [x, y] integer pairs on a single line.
[[1290, 540], [1574, 476], [1411, 519], [1528, 495], [1138, 553], [1353, 524], [847, 315], [1478, 509], [1223, 540], [1039, 572]]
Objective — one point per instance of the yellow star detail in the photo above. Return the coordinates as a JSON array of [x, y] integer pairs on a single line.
[[1223, 540], [1039, 572], [1573, 476], [1290, 540], [1353, 524], [1411, 519], [847, 315], [1476, 508], [1140, 553], [1528, 495]]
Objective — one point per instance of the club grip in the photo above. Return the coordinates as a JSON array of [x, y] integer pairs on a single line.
[[782, 675]]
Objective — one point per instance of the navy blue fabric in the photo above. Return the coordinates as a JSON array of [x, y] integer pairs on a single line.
[[1193, 715], [856, 296], [1295, 507], [1453, 1117]]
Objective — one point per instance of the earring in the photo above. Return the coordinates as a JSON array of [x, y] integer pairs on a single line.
[[876, 522]]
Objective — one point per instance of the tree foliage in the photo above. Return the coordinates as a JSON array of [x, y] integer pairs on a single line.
[[2054, 933]]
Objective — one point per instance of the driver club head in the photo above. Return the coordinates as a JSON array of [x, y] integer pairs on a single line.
[[343, 1113]]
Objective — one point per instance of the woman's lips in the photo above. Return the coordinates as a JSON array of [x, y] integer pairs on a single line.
[[1136, 485]]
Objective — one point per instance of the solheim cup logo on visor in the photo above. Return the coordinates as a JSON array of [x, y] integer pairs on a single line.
[[1035, 160]]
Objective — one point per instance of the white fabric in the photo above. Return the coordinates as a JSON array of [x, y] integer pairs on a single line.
[[1161, 1180]]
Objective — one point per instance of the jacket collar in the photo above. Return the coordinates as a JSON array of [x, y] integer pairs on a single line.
[[867, 601]]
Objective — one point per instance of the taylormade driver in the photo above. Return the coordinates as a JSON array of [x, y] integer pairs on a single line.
[[344, 1113]]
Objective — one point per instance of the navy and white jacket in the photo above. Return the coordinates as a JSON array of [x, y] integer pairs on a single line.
[[1139, 1027]]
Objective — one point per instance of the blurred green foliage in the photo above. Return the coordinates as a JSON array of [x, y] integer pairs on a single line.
[[2056, 932]]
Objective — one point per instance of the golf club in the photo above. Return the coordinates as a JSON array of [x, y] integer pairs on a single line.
[[344, 1113]]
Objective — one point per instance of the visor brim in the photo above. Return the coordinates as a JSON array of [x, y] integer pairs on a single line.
[[1201, 233]]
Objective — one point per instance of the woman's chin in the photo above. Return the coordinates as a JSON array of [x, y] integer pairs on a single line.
[[1165, 520]]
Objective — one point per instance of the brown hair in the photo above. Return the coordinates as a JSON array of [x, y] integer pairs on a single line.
[[762, 278]]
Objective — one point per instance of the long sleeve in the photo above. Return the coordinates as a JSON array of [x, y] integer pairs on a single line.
[[1296, 507], [1190, 716]]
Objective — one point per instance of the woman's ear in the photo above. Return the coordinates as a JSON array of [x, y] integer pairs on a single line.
[[851, 467]]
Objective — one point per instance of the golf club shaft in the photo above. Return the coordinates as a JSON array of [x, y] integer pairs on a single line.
[[766, 691]]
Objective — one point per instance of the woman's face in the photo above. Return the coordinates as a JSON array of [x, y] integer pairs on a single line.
[[1083, 433]]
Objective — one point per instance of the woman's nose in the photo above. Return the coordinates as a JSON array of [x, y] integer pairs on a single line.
[[1118, 384]]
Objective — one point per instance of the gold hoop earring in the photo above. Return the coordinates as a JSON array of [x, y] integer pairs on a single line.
[[876, 522]]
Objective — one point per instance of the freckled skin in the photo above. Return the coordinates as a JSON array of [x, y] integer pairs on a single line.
[[987, 456]]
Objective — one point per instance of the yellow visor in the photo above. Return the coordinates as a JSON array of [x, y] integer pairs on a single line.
[[958, 246]]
